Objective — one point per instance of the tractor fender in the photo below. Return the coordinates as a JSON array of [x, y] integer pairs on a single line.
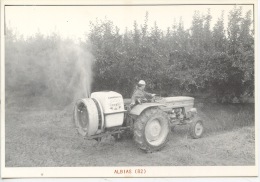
[[138, 109]]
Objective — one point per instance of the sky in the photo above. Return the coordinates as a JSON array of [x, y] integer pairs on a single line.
[[73, 21]]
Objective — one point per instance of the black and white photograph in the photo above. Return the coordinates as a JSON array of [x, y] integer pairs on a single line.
[[128, 88]]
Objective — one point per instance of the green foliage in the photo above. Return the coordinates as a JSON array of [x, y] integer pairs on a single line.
[[201, 59], [241, 52]]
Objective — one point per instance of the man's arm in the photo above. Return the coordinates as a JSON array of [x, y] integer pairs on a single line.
[[149, 95]]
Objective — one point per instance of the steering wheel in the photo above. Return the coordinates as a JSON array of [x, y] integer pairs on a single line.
[[157, 98]]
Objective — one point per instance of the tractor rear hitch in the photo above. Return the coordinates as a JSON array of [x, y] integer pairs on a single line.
[[107, 133]]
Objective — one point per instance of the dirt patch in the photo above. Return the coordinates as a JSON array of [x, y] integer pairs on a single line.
[[48, 139]]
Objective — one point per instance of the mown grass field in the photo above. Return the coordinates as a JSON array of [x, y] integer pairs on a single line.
[[47, 138]]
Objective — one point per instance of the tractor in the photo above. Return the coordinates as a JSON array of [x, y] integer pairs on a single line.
[[107, 113]]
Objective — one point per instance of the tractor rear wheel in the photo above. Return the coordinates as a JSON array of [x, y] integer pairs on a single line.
[[151, 130]]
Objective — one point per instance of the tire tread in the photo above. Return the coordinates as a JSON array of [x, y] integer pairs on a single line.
[[139, 129]]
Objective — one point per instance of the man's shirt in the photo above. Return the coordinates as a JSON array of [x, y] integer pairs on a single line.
[[140, 94]]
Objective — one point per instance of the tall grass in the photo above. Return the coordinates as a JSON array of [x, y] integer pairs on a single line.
[[221, 117]]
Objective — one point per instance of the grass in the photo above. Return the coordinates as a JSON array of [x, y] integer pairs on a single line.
[[47, 138], [220, 117]]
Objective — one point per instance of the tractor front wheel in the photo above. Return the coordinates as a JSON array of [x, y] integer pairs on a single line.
[[151, 130], [196, 129]]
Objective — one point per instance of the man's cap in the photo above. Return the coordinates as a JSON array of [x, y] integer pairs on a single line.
[[141, 82]]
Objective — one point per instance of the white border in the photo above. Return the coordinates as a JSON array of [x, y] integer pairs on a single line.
[[191, 171]]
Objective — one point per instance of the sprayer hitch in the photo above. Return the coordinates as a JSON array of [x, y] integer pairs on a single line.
[[107, 133]]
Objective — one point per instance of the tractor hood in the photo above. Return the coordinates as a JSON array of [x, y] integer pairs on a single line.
[[138, 109]]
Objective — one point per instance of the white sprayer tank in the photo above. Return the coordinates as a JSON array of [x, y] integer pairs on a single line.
[[102, 110], [113, 107]]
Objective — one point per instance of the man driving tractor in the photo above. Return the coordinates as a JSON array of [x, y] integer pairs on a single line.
[[139, 95]]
